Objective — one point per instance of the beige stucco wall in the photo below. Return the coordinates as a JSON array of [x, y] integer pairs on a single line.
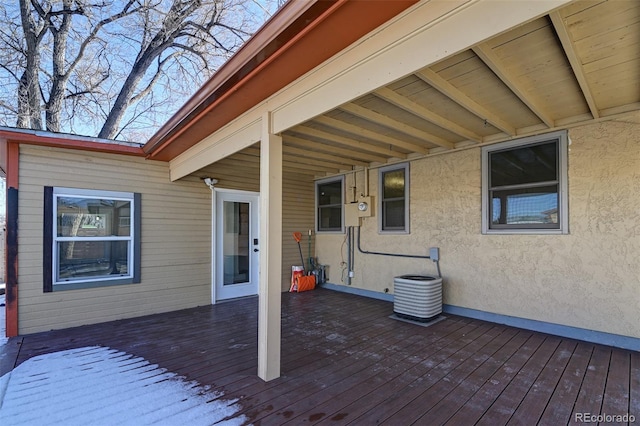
[[588, 279], [176, 235]]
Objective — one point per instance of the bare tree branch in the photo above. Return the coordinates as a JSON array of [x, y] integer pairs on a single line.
[[144, 92], [113, 67]]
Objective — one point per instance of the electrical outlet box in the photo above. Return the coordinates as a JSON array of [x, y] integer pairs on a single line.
[[351, 215], [434, 253]]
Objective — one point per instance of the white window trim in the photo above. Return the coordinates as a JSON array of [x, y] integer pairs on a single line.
[[563, 186], [407, 215], [322, 182], [92, 194]]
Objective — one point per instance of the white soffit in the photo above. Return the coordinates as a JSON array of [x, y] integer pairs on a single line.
[[421, 36]]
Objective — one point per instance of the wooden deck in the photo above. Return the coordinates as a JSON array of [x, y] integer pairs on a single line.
[[344, 361]]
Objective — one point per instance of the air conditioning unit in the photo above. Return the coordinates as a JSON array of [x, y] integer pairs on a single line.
[[417, 297]]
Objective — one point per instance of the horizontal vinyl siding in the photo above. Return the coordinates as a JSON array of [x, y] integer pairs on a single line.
[[298, 192], [175, 229], [242, 175], [297, 203]]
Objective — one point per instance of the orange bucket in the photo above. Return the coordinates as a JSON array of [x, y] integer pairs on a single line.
[[296, 271], [306, 282]]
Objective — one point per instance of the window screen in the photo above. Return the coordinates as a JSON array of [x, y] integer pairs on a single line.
[[524, 184]]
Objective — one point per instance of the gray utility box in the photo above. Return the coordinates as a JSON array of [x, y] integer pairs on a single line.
[[417, 297]]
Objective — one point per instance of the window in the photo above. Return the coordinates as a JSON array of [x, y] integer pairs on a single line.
[[329, 201], [91, 238], [394, 198], [524, 186]]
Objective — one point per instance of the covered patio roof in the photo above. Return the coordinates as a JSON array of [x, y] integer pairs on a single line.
[[572, 64], [298, 38], [406, 81]]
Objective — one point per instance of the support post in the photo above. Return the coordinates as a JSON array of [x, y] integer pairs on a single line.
[[270, 282]]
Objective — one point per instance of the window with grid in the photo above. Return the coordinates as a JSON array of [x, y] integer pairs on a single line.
[[525, 185], [92, 238]]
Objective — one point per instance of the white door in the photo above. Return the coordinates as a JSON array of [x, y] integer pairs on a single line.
[[236, 244]]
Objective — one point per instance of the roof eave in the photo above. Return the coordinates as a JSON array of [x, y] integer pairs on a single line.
[[58, 140], [247, 58], [273, 58]]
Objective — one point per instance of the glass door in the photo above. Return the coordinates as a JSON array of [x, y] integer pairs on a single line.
[[236, 272]]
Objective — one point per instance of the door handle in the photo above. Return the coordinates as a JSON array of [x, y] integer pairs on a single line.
[[255, 250]]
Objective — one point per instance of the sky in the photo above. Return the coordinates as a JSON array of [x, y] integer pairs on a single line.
[[103, 386], [113, 64]]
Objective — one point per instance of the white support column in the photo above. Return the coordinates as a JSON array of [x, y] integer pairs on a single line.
[[270, 286]]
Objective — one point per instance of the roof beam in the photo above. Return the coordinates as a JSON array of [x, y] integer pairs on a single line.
[[294, 166], [364, 146], [289, 157], [491, 60], [408, 105], [384, 56], [305, 153], [345, 152], [574, 60], [387, 121], [362, 131], [433, 79]]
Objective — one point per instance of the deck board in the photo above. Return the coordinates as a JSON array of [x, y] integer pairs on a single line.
[[465, 389], [332, 373], [505, 406], [476, 407], [634, 386], [376, 387], [393, 379], [324, 404], [592, 389], [468, 365], [425, 375], [344, 361], [535, 402], [616, 393], [560, 406]]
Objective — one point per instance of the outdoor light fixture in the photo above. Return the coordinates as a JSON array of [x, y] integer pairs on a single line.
[[210, 182]]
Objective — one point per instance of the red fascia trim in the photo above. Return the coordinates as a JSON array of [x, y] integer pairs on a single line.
[[158, 149], [248, 56], [331, 31], [62, 142]]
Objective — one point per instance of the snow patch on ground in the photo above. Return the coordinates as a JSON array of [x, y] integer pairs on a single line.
[[102, 386]]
